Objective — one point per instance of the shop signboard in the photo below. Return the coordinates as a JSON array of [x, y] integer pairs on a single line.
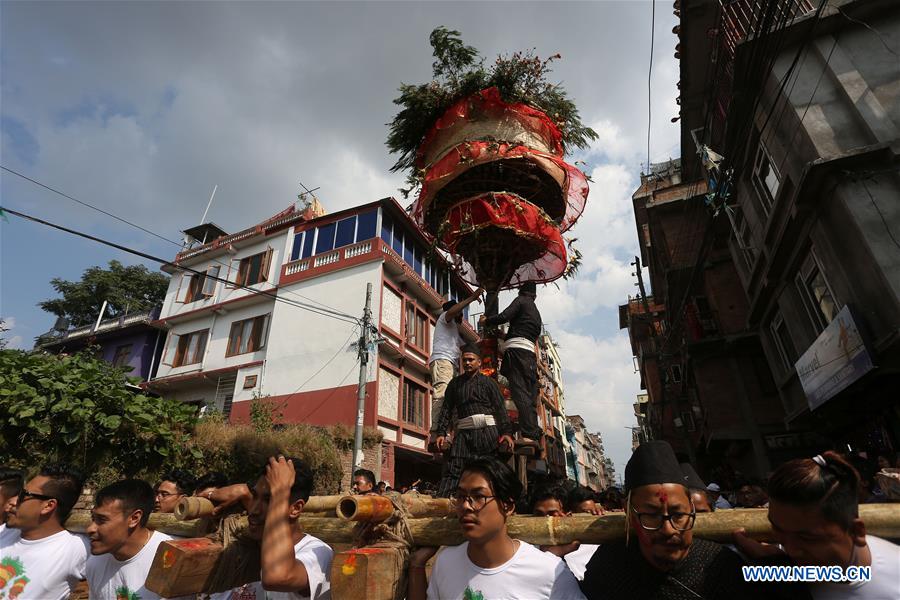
[[835, 360]]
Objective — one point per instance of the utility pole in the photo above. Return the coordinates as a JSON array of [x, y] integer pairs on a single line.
[[640, 277], [363, 354]]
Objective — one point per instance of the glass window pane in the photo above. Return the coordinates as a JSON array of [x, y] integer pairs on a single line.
[[246, 333], [298, 245], [346, 229], [325, 242], [365, 225], [398, 241], [823, 299], [308, 243], [254, 269], [417, 261], [192, 349], [387, 225], [408, 247]]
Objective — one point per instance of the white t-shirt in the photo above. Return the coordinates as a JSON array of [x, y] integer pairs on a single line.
[[529, 575], [445, 341], [885, 582], [315, 555], [578, 560], [45, 569], [110, 578]]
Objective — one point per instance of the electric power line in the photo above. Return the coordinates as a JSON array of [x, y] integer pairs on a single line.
[[346, 318], [153, 233], [649, 75]]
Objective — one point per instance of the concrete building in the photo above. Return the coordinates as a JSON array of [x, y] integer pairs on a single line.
[[812, 218], [592, 468], [709, 391], [551, 407], [133, 342], [269, 312]]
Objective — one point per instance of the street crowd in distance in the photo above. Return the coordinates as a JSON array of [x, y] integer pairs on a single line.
[[812, 506]]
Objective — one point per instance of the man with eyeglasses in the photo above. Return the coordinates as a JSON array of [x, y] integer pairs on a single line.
[[660, 557], [38, 558], [490, 563], [10, 486], [172, 487]]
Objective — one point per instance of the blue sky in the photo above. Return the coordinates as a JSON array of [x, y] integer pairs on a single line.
[[141, 108]]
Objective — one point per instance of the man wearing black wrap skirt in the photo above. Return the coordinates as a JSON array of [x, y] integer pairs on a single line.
[[482, 421]]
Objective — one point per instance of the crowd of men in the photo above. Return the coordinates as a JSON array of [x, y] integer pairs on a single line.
[[812, 506]]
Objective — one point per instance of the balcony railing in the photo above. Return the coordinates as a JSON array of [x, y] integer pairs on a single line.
[[115, 323], [741, 17], [328, 258]]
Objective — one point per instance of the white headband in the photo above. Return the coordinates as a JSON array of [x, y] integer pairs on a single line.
[[819, 460]]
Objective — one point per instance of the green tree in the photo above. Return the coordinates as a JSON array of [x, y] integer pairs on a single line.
[[131, 288], [77, 408]]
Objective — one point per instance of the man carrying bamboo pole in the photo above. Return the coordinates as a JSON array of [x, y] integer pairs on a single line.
[[292, 562], [490, 564], [660, 558], [35, 532], [122, 548], [482, 421], [814, 511]]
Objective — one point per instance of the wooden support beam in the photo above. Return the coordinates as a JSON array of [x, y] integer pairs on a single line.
[[370, 573]]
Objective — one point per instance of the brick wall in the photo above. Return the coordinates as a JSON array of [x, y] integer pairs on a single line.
[[371, 461]]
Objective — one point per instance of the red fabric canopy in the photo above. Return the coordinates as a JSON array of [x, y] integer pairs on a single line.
[[503, 240]]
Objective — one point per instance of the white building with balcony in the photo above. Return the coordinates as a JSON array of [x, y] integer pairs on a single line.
[[258, 314]]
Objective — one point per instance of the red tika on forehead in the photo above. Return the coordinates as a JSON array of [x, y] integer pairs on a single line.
[[663, 496]]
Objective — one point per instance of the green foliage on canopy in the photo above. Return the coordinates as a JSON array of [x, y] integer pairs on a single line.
[[459, 72], [133, 288]]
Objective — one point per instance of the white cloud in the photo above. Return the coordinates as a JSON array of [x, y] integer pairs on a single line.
[[13, 342], [600, 385]]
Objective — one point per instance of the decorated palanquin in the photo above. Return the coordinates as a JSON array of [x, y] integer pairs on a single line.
[[496, 193]]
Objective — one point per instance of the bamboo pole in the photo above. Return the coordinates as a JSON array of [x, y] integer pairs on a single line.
[[379, 508], [365, 508], [79, 520], [321, 504], [193, 507], [882, 520]]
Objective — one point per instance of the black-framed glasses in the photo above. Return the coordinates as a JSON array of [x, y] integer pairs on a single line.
[[477, 502], [25, 495], [654, 521]]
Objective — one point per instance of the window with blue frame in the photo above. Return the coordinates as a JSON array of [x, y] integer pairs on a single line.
[[417, 261], [298, 245], [308, 243], [325, 241], [387, 226], [398, 241], [408, 247], [346, 230], [366, 224]]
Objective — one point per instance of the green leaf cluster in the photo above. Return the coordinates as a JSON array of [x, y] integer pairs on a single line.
[[460, 72], [125, 289], [76, 408]]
